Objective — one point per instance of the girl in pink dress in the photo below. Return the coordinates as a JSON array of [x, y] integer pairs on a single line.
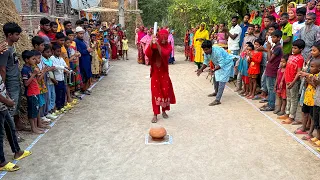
[[222, 36]]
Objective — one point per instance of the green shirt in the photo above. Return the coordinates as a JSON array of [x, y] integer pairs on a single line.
[[257, 20], [287, 32]]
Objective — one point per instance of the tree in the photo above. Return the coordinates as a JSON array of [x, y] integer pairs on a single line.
[[184, 14], [154, 11]]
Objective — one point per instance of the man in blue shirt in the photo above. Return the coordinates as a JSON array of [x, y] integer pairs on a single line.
[[223, 68], [244, 27]]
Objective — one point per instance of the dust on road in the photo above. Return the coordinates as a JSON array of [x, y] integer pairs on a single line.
[[103, 138]]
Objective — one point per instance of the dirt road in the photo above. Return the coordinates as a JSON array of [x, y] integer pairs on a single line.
[[104, 137]]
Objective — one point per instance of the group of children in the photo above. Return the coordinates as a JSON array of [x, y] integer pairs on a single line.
[[56, 73], [286, 80], [115, 43]]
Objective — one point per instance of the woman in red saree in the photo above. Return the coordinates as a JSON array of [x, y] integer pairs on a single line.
[[141, 34], [186, 45], [120, 35], [114, 50], [161, 87]]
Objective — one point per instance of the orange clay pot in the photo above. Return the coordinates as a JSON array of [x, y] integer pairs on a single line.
[[157, 133]]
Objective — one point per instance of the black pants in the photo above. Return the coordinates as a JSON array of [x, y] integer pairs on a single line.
[[316, 117], [7, 124], [60, 94]]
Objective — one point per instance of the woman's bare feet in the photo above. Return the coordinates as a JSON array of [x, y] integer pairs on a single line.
[[154, 119], [165, 115]]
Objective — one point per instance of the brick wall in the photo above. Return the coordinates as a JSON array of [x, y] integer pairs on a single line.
[[30, 24]]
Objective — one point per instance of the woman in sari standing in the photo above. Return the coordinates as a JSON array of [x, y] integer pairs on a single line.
[[120, 35], [114, 51], [145, 42], [141, 34], [161, 87], [186, 45], [171, 41], [191, 37], [201, 35]]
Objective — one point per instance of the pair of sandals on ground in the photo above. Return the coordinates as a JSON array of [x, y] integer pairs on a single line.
[[10, 167], [315, 142], [155, 118]]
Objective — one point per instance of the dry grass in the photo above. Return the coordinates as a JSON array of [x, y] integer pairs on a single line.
[[8, 13]]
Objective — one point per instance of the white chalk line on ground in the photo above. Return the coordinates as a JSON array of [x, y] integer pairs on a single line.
[[158, 143], [280, 126], [3, 173]]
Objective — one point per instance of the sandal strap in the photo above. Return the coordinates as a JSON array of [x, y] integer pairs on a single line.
[[9, 167]]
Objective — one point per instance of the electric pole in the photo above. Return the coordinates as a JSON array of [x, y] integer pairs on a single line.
[[121, 13], [79, 9]]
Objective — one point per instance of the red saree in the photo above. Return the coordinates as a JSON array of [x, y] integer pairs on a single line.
[[120, 34], [141, 34], [114, 51], [186, 46], [162, 93]]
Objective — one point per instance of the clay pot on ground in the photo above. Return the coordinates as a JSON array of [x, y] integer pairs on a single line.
[[157, 133]]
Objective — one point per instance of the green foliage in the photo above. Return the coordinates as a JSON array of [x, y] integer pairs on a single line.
[[184, 14], [131, 28], [154, 11], [181, 15]]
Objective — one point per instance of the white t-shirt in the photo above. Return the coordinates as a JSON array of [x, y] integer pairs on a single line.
[[60, 65], [296, 26], [273, 44], [233, 44]]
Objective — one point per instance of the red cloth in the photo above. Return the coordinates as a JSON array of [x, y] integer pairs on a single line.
[[254, 67], [294, 62], [141, 54], [114, 50], [191, 53], [273, 12], [162, 93], [245, 79], [281, 92], [141, 34], [120, 34], [317, 22], [291, 21], [52, 36]]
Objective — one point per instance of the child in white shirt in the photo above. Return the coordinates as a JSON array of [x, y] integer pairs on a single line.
[[60, 67]]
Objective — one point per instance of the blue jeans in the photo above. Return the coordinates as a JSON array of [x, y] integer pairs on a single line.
[[7, 124], [219, 88], [51, 97], [270, 81], [14, 91], [263, 81]]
